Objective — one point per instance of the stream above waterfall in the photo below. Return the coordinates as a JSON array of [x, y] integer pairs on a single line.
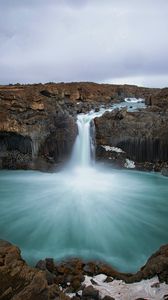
[[86, 210]]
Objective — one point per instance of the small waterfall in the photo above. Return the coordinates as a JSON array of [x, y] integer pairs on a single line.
[[35, 147], [83, 152]]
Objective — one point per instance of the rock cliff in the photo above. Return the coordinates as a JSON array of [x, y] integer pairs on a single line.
[[141, 135], [38, 123], [35, 131]]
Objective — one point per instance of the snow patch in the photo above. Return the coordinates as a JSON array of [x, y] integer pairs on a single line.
[[80, 293], [60, 287], [149, 289], [71, 295], [114, 149], [100, 278], [129, 164]]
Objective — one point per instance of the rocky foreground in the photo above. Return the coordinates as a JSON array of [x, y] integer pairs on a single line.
[[38, 125], [77, 279]]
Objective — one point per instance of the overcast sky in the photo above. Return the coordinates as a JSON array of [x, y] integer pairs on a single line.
[[113, 41]]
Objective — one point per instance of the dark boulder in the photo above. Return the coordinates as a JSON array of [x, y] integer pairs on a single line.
[[108, 298], [164, 171], [90, 293]]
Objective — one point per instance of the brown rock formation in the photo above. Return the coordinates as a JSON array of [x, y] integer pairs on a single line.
[[75, 269], [142, 135], [19, 281], [34, 130], [37, 122], [159, 99]]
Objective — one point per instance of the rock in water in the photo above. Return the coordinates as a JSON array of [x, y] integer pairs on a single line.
[[164, 171]]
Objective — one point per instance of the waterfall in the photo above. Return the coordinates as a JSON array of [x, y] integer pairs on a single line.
[[83, 153]]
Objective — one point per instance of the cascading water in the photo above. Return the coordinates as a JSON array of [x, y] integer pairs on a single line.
[[85, 211], [82, 153], [84, 149]]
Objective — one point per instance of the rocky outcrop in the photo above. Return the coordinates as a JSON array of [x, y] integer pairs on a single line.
[[159, 99], [19, 281], [50, 280], [38, 129], [75, 269], [141, 135], [35, 132]]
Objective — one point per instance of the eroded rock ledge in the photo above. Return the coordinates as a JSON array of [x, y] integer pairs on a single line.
[[50, 280], [141, 136]]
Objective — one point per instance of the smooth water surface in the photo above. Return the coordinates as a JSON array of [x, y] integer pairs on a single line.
[[94, 213]]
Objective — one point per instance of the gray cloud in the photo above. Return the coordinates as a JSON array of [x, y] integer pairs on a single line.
[[72, 40]]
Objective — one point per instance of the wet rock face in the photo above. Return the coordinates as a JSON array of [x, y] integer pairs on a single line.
[[10, 141], [164, 171], [15, 150], [141, 135], [58, 144]]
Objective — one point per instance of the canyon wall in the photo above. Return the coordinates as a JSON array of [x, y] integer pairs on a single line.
[[36, 131], [38, 123]]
